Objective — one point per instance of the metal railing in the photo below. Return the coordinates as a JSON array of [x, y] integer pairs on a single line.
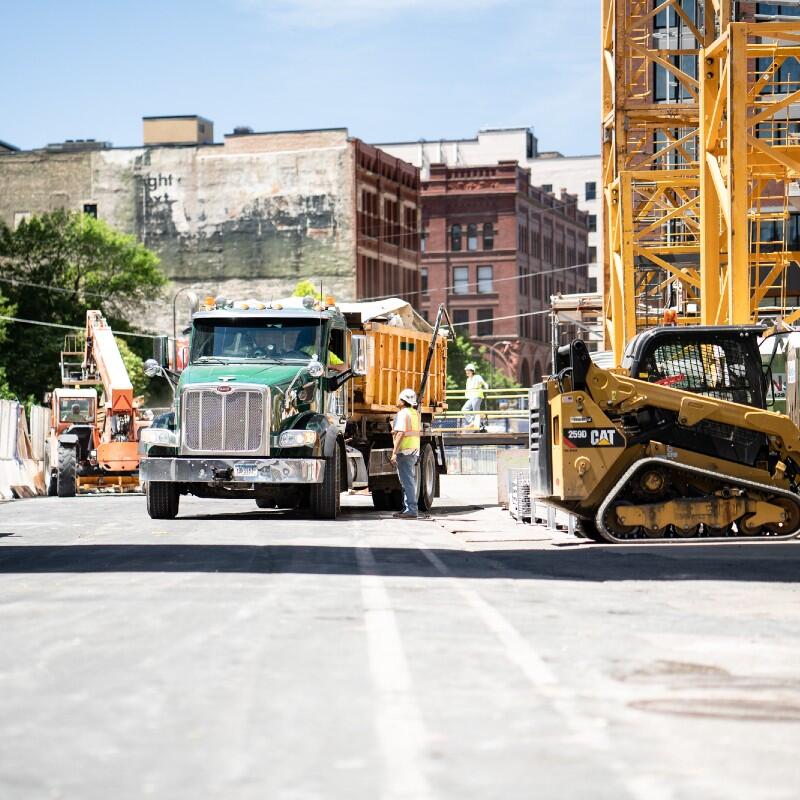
[[501, 411]]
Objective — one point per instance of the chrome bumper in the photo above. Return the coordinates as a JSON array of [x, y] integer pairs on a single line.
[[232, 470]]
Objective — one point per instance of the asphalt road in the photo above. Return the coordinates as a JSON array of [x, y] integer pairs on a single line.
[[236, 653]]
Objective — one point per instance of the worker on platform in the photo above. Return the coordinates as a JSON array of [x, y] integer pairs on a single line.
[[474, 394], [405, 454]]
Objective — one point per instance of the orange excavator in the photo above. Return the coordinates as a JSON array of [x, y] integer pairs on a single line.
[[92, 444]]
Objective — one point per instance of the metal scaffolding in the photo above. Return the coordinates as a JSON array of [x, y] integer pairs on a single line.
[[699, 152]]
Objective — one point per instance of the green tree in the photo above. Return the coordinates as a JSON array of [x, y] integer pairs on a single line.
[[133, 363], [6, 310], [460, 352], [67, 263], [305, 288]]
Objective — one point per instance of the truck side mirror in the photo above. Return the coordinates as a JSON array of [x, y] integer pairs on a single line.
[[161, 351], [358, 354]]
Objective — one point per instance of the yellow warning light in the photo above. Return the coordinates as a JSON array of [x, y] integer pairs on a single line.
[[330, 300], [209, 302]]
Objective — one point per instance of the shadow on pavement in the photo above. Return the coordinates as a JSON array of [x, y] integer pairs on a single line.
[[777, 562], [368, 512]]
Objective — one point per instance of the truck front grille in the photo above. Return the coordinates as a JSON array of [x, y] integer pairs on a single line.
[[224, 423]]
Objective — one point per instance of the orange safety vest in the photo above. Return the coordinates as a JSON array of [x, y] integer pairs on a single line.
[[411, 439]]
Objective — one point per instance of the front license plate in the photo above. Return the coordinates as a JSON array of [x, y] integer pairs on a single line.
[[245, 471]]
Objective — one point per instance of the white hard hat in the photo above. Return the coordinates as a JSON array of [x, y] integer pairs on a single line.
[[470, 366], [409, 396]]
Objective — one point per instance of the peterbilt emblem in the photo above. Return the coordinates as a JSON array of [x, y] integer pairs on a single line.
[[224, 388]]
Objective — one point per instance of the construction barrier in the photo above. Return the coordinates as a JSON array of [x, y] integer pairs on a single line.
[[21, 467]]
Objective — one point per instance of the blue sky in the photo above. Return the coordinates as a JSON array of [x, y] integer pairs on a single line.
[[388, 70]]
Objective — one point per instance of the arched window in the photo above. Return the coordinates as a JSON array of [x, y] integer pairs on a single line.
[[455, 237], [488, 236], [472, 236]]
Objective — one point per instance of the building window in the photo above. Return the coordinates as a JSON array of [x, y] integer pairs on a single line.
[[391, 222], [777, 10], [90, 209], [485, 322], [423, 241], [460, 280], [423, 280], [547, 187], [455, 238], [592, 223], [592, 255], [369, 219], [461, 320], [488, 236], [486, 279], [592, 284], [591, 190], [472, 237]]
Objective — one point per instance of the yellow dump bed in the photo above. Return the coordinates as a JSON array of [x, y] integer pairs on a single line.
[[395, 361]]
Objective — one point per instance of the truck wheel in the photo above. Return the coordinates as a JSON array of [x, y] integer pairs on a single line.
[[162, 500], [426, 477], [67, 478], [325, 496]]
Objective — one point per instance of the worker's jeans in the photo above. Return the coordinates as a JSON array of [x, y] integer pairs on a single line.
[[472, 404], [407, 470]]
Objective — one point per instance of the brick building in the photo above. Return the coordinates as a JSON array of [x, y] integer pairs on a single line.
[[495, 246], [248, 217]]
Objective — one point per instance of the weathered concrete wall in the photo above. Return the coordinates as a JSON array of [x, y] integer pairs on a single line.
[[248, 218]]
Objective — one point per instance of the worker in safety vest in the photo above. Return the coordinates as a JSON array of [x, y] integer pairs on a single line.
[[405, 454], [474, 394]]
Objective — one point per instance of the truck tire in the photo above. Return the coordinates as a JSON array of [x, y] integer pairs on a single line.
[[426, 477], [162, 500], [325, 496], [50, 475], [67, 477]]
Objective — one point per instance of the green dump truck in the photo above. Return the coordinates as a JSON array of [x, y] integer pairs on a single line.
[[291, 405]]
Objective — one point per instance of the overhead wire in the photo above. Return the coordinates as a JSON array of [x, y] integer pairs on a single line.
[[74, 327]]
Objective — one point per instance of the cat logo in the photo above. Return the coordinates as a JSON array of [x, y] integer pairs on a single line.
[[592, 437], [602, 437]]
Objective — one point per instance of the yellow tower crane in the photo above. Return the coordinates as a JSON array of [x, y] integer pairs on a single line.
[[700, 152]]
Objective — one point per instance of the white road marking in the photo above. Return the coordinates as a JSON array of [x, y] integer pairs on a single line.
[[401, 730], [586, 731]]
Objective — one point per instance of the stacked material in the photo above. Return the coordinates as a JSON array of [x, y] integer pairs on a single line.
[[21, 466]]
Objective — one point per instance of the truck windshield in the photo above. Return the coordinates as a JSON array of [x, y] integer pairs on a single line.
[[254, 339]]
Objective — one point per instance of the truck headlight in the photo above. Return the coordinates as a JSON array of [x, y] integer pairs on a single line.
[[159, 436], [297, 438]]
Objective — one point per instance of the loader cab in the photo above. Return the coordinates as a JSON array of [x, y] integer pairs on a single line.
[[723, 362]]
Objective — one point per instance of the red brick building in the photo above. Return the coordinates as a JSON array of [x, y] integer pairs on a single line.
[[387, 248], [494, 249]]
